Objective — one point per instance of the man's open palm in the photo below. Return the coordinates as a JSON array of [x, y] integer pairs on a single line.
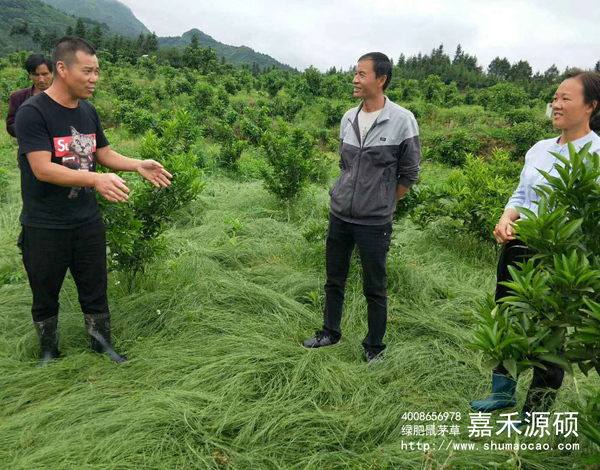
[[155, 173]]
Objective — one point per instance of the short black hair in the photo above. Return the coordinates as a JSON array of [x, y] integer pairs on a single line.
[[35, 60], [381, 65], [67, 47]]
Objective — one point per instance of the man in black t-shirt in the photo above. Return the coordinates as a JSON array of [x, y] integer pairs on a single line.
[[60, 142]]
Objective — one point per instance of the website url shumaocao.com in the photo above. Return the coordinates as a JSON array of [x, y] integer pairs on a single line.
[[482, 425], [456, 446]]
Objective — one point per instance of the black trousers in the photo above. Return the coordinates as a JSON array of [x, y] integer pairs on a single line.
[[48, 253], [545, 382], [373, 244]]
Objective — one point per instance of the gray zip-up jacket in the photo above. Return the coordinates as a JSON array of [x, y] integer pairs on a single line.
[[365, 191]]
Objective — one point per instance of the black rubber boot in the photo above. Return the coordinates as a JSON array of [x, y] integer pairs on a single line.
[[544, 388], [47, 331], [98, 327]]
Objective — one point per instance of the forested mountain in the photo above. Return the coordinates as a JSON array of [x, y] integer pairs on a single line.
[[115, 14], [233, 54], [52, 18], [21, 18]]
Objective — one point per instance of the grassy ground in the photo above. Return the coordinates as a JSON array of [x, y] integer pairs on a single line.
[[217, 378]]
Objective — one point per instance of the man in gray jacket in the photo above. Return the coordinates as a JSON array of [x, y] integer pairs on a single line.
[[379, 160]]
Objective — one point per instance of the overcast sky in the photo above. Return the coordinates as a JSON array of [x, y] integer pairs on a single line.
[[325, 33]]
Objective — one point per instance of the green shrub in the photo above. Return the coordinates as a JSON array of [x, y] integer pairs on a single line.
[[286, 107], [333, 112], [251, 131], [452, 150], [272, 83], [291, 156], [146, 99], [220, 130], [135, 228], [231, 116], [180, 132], [520, 115], [203, 96], [125, 89], [415, 108], [588, 422], [547, 94], [260, 117], [220, 102], [474, 196], [231, 151], [410, 89], [134, 119], [5, 90], [178, 86], [138, 121], [394, 95], [503, 97], [149, 66], [523, 136], [230, 84], [471, 96], [452, 97], [326, 138], [434, 90]]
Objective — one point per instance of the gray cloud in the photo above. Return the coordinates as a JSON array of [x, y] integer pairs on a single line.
[[326, 33]]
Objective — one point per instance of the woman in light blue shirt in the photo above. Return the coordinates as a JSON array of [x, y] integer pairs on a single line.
[[576, 112]]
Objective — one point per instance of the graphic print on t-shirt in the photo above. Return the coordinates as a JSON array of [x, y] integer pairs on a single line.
[[77, 153]]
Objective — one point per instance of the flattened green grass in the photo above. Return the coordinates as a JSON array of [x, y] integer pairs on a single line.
[[217, 378]]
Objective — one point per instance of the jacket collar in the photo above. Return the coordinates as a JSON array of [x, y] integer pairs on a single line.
[[383, 116]]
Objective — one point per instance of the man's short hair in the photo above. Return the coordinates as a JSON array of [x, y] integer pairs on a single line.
[[67, 47], [381, 65], [35, 60]]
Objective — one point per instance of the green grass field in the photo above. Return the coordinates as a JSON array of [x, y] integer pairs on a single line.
[[217, 378]]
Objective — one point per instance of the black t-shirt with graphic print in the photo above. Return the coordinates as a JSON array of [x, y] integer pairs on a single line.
[[72, 135]]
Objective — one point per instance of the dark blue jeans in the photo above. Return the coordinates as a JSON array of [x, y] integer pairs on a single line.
[[48, 253], [373, 244]]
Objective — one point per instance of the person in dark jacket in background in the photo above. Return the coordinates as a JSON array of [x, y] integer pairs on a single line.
[[379, 160], [40, 73]]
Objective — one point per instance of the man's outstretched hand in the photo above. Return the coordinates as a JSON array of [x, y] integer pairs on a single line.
[[155, 173], [111, 186]]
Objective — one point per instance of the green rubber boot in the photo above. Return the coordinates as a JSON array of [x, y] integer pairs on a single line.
[[502, 396]]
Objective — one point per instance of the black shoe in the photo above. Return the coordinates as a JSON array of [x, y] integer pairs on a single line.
[[98, 327], [321, 339], [371, 355], [47, 331]]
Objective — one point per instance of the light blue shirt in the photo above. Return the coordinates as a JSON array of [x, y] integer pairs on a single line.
[[539, 157]]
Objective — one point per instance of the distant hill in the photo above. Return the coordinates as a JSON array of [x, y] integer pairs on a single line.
[[115, 14], [57, 15], [236, 55], [36, 14]]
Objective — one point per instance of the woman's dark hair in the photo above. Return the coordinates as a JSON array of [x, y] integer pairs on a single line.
[[35, 60], [591, 93], [595, 123], [381, 65]]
